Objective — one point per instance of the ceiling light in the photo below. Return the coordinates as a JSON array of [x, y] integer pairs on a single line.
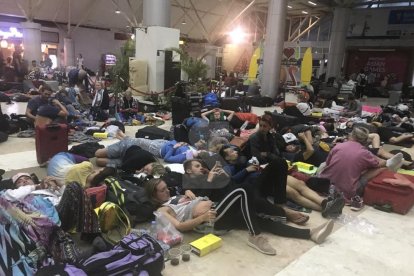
[[237, 35], [181, 42], [304, 12], [117, 11], [312, 3], [290, 7], [4, 44], [183, 22]]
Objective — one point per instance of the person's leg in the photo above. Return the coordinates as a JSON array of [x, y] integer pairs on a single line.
[[297, 197], [272, 181], [403, 137], [375, 140], [283, 230], [307, 197]]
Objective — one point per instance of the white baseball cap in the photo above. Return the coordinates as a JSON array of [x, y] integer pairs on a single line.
[[289, 137]]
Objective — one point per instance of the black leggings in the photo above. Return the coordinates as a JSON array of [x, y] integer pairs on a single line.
[[234, 206], [237, 123], [272, 181]]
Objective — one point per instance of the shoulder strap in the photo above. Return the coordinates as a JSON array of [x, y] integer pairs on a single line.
[[114, 185]]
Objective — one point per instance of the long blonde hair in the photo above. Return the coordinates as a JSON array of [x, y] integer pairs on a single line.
[[151, 189]]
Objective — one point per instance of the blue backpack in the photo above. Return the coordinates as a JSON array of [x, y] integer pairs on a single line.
[[211, 100]]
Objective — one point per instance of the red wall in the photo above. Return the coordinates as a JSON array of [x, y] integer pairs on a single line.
[[380, 63]]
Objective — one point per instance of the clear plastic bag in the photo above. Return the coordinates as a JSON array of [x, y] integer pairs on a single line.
[[355, 223], [166, 232]]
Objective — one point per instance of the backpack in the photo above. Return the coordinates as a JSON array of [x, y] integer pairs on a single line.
[[211, 100], [87, 149], [131, 197], [113, 221], [363, 79], [133, 255]]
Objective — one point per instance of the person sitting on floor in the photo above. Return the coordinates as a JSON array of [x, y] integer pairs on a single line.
[[42, 110], [233, 211], [350, 165], [129, 107]]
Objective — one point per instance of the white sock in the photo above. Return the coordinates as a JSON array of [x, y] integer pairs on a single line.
[[395, 162]]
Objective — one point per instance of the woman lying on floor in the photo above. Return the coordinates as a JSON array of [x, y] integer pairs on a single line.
[[234, 211], [296, 190], [45, 213], [67, 167], [216, 184]]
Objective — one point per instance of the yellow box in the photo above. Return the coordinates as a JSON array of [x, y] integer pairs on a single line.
[[100, 135], [304, 166], [316, 114], [206, 244]]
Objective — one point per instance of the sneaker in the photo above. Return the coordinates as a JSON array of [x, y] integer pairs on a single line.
[[333, 208], [261, 244], [357, 203]]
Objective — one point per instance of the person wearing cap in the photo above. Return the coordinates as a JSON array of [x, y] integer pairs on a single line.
[[295, 152]]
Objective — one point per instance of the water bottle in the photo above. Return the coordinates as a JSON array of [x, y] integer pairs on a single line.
[[153, 229]]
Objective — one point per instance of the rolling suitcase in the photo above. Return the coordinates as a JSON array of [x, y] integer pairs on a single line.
[[152, 133], [50, 139], [180, 110], [232, 104], [377, 192]]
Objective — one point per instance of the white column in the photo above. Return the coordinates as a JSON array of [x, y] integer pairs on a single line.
[[211, 59], [337, 42], [69, 51], [273, 48], [157, 13], [31, 41]]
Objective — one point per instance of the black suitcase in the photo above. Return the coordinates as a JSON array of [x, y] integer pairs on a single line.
[[180, 110], [232, 104], [152, 133], [259, 101], [282, 120]]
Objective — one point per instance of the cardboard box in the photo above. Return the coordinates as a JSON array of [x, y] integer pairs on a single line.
[[206, 244]]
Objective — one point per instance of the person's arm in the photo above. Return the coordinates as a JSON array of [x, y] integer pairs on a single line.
[[63, 111], [204, 114], [309, 150], [29, 114], [22, 192], [189, 224], [172, 157], [229, 113]]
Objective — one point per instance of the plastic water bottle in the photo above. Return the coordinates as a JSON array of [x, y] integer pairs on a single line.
[[153, 229]]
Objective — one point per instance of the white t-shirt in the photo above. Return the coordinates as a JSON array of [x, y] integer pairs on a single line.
[[304, 108]]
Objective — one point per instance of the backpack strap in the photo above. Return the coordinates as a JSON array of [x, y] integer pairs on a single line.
[[114, 185]]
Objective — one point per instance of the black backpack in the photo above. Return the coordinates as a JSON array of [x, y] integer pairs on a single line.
[[131, 198], [87, 149]]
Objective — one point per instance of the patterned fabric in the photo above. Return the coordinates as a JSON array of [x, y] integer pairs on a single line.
[[14, 246], [75, 210]]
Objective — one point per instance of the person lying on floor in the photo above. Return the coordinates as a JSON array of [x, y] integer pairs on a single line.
[[350, 165], [171, 151], [216, 184], [296, 190], [67, 167], [303, 150], [45, 211], [234, 211], [217, 114]]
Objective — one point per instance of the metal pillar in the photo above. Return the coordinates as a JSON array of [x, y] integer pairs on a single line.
[[157, 13], [275, 36], [69, 50], [337, 41]]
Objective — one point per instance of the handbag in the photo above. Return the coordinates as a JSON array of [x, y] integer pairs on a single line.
[[97, 195], [113, 221]]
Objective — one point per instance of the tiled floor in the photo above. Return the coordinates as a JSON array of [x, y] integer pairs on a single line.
[[375, 243]]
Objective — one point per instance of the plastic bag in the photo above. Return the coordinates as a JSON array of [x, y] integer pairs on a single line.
[[166, 232], [355, 223]]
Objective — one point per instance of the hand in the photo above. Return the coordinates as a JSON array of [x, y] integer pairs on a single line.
[[209, 216], [301, 135], [55, 102], [189, 194], [252, 168]]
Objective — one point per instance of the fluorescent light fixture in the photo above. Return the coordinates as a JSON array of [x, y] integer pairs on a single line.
[[117, 11], [376, 50], [184, 22], [312, 3], [304, 12], [290, 7], [181, 42]]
